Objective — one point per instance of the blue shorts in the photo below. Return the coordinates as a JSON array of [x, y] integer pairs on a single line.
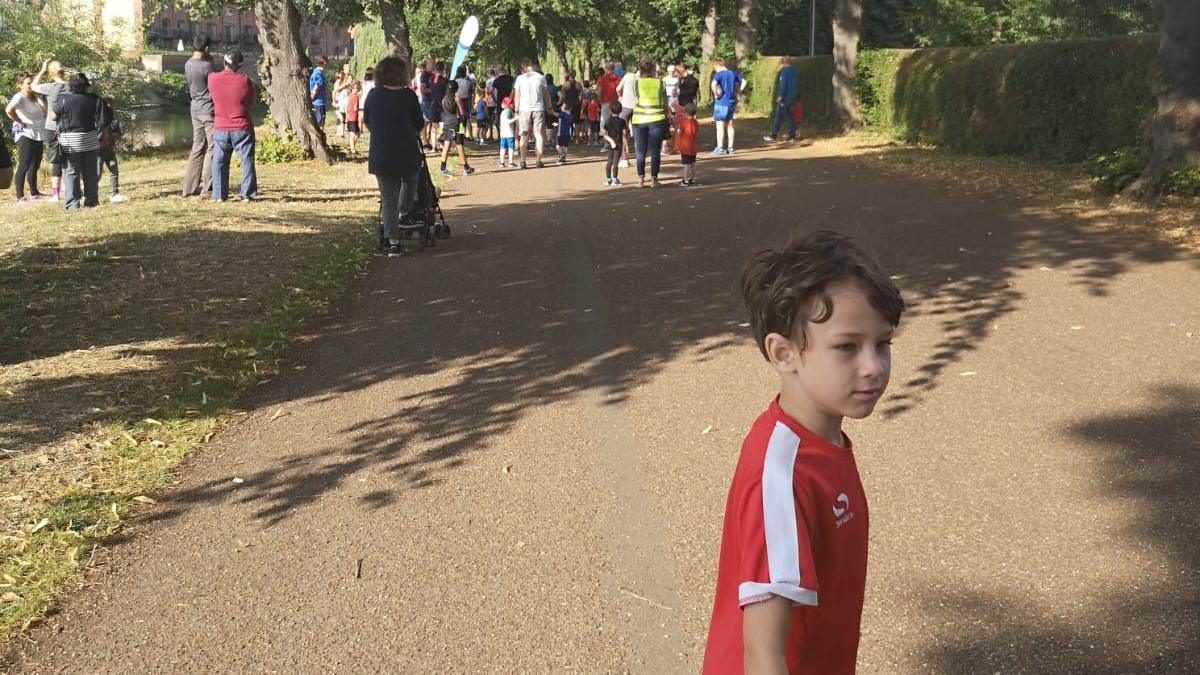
[[723, 111], [427, 111], [507, 143]]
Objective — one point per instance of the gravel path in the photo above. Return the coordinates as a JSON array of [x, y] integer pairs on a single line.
[[510, 454]]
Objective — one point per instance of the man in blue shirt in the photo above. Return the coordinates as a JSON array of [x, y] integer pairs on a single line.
[[726, 85], [316, 92], [785, 99]]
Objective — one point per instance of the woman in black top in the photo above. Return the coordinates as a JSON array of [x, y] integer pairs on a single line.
[[79, 138], [392, 114]]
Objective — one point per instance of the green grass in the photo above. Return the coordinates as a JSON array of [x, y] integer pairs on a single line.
[[127, 334]]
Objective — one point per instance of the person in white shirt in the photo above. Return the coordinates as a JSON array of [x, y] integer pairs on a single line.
[[27, 109], [671, 84], [532, 100]]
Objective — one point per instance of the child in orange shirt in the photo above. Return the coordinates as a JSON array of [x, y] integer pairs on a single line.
[[685, 142]]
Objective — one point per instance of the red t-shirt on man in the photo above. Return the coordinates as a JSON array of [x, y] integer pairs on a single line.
[[796, 527], [233, 101], [607, 84]]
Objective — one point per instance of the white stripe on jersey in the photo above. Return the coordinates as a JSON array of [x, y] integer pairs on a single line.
[[779, 524]]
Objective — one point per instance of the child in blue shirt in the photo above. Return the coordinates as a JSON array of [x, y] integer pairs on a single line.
[[566, 123]]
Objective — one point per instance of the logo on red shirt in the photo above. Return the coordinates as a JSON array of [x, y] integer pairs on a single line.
[[840, 512]]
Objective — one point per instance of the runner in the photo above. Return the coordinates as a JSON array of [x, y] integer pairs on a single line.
[[726, 85], [531, 100]]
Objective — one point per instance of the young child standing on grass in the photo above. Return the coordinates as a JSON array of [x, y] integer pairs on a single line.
[[352, 109], [566, 124], [613, 134], [793, 561], [508, 126], [686, 130]]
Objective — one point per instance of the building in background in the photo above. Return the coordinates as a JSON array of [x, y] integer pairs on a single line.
[[137, 25]]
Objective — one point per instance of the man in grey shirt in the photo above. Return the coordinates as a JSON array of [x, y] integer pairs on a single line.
[[197, 177]]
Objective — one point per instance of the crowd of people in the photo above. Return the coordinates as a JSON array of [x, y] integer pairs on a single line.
[[57, 118], [413, 110], [632, 116], [648, 110]]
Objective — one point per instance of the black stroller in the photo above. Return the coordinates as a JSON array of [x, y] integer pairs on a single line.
[[426, 220]]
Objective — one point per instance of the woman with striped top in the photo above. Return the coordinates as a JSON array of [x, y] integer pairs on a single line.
[[79, 138]]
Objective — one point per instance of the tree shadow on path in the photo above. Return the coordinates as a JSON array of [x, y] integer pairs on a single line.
[[1151, 463], [568, 292]]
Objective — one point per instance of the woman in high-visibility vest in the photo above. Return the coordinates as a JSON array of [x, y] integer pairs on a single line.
[[649, 121]]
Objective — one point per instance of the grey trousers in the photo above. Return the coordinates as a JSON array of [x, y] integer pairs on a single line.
[[396, 196], [197, 177], [81, 167]]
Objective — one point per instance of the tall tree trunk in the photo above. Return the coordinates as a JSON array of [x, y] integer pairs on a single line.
[[847, 25], [282, 74], [560, 51], [743, 36], [395, 28], [588, 66], [708, 37], [1175, 130], [708, 45]]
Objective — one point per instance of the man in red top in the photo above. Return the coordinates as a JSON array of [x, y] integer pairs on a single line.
[[233, 127], [793, 562], [606, 84]]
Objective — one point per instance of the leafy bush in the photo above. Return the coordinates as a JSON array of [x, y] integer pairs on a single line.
[[276, 149], [1183, 181], [1114, 171], [1062, 101], [170, 87]]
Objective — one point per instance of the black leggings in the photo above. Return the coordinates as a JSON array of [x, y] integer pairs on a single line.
[[610, 164], [29, 160]]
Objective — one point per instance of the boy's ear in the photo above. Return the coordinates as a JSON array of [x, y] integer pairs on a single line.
[[782, 352]]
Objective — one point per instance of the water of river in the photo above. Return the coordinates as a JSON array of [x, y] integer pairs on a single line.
[[167, 128]]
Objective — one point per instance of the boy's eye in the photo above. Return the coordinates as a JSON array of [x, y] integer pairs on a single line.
[[846, 347]]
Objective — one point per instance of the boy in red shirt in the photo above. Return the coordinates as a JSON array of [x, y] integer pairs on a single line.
[[686, 129], [793, 562], [592, 112]]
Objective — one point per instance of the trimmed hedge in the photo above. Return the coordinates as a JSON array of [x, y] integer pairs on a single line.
[[1062, 101]]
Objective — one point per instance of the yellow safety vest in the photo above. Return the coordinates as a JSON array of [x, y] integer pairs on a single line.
[[649, 108]]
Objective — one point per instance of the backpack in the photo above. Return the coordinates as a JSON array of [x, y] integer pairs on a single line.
[[105, 122]]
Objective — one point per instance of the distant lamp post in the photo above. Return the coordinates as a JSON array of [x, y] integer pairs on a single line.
[[812, 31]]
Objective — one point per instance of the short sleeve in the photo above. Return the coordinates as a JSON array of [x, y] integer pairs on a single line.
[[774, 534]]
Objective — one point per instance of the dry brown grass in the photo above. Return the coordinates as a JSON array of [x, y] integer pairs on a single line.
[[126, 333]]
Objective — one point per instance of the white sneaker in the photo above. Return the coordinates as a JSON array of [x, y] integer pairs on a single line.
[[118, 198], [52, 198], [624, 164]]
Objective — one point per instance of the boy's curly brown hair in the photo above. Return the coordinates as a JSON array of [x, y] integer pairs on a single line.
[[783, 290]]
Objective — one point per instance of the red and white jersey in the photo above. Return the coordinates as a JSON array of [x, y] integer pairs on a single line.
[[795, 526]]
